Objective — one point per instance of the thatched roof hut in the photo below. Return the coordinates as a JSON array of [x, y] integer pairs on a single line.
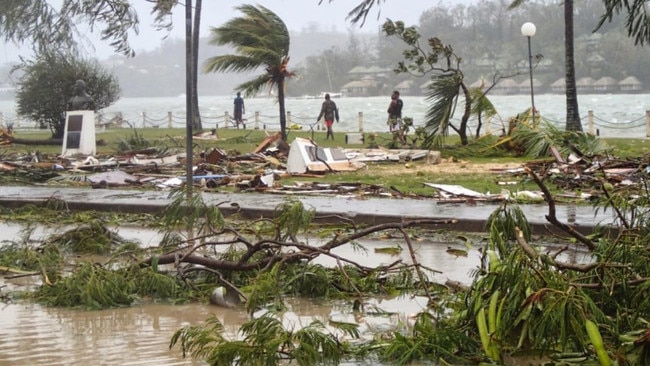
[[524, 86], [585, 84], [630, 84], [606, 84], [506, 86], [359, 88]]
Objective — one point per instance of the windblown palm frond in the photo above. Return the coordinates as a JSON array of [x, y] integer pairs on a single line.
[[255, 85], [225, 63], [537, 141], [442, 95], [637, 18], [481, 105]]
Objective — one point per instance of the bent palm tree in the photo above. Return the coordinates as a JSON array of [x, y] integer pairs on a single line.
[[261, 40]]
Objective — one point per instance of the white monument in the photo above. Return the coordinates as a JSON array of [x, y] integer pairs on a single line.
[[79, 132]]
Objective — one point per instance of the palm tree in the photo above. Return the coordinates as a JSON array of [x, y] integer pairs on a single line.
[[261, 40], [572, 111]]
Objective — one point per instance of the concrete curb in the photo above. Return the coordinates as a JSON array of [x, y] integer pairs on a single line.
[[329, 210]]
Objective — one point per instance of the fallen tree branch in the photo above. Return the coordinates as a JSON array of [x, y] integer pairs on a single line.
[[552, 218]]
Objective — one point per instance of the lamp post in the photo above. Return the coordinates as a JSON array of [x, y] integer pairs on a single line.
[[528, 30]]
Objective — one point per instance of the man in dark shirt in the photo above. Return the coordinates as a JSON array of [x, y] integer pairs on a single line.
[[239, 110], [329, 111], [395, 116]]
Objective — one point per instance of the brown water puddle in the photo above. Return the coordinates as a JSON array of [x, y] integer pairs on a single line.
[[35, 335]]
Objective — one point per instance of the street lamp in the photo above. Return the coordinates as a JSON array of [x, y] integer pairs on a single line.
[[528, 30]]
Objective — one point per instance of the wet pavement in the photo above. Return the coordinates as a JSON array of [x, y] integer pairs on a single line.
[[369, 211]]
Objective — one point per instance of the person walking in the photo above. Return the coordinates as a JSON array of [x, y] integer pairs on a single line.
[[395, 116], [329, 111], [239, 110]]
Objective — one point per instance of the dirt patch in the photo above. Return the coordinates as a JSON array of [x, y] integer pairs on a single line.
[[446, 167]]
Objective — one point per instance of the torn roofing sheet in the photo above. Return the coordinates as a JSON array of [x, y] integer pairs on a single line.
[[456, 190]]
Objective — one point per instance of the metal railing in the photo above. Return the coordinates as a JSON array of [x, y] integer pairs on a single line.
[[272, 122]]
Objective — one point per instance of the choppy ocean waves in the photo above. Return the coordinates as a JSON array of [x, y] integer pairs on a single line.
[[613, 115]]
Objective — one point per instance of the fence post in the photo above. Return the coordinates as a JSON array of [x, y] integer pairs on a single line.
[[647, 123], [144, 119], [169, 119], [2, 118], [257, 120], [226, 117], [590, 118], [360, 121], [289, 119]]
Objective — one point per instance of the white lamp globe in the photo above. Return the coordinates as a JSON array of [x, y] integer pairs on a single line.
[[528, 29]]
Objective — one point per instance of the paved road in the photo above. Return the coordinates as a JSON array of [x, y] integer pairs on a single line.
[[470, 218]]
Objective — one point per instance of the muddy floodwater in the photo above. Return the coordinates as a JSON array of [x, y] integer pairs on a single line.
[[31, 334]]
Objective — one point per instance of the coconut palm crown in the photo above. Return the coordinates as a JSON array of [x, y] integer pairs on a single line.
[[261, 41]]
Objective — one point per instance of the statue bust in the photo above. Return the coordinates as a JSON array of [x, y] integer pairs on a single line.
[[81, 99]]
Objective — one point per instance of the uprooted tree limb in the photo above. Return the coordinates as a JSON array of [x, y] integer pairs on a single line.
[[274, 254], [631, 279]]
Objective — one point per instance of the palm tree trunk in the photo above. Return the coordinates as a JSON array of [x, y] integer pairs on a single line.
[[196, 115], [572, 110], [283, 115], [468, 111]]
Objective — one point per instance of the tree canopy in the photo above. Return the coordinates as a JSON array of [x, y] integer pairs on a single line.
[[48, 84], [46, 27]]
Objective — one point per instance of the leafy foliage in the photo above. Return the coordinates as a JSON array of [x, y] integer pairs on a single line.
[[92, 238], [90, 286], [446, 86], [637, 18], [47, 28], [266, 341], [45, 88], [293, 218], [431, 339], [93, 286], [537, 140], [133, 142], [47, 261], [194, 215]]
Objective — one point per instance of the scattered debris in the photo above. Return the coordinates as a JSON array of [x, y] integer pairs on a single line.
[[273, 160]]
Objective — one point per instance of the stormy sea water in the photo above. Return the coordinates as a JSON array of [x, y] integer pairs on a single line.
[[613, 115]]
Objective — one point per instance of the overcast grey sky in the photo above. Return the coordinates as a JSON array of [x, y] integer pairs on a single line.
[[297, 14]]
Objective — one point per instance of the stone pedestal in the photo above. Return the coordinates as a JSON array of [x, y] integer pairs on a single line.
[[79, 133]]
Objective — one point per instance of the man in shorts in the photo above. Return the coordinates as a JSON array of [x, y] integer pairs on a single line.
[[329, 111]]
